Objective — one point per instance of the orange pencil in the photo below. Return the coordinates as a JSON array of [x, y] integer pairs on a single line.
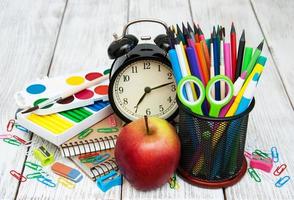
[[202, 62], [206, 54]]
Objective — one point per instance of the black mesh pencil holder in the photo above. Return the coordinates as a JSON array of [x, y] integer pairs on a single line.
[[212, 149]]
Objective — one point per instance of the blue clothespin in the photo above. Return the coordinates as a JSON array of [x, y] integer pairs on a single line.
[[109, 180]]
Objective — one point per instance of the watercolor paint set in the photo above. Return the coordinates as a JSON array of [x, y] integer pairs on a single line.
[[60, 127], [43, 89]]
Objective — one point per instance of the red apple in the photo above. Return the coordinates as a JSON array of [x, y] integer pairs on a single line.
[[147, 152]]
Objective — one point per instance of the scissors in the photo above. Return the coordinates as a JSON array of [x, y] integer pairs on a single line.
[[215, 105]]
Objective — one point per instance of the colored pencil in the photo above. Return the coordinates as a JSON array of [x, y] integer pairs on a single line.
[[191, 32], [254, 58], [202, 63], [222, 65], [240, 55], [204, 47], [228, 60], [216, 62], [196, 32], [212, 67], [246, 58], [233, 51], [180, 35]]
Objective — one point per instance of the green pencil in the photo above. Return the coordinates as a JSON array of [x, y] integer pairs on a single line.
[[253, 60]]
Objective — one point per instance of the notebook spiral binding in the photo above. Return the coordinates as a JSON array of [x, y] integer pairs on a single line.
[[88, 146], [104, 168]]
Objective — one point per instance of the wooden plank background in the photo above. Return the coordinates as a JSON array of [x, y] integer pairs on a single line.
[[53, 37]]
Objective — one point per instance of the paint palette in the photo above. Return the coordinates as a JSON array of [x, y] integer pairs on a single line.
[[40, 90], [60, 127]]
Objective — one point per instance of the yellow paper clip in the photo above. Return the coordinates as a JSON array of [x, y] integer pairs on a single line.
[[66, 183]]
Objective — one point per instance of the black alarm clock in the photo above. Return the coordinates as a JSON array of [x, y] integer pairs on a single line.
[[141, 78]]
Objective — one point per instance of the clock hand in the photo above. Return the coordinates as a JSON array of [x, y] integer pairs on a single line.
[[161, 85], [146, 91]]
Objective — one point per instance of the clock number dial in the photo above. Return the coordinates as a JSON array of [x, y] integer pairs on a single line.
[[145, 87]]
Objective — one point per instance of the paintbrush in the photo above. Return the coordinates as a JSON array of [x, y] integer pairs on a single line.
[[66, 94]]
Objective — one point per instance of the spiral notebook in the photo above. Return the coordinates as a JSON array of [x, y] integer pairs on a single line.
[[98, 137], [95, 171]]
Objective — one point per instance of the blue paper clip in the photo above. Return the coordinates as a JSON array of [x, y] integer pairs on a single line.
[[101, 158], [46, 181], [21, 128], [282, 181], [254, 175], [275, 154], [109, 180]]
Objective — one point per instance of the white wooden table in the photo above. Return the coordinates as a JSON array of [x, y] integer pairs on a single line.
[[51, 37]]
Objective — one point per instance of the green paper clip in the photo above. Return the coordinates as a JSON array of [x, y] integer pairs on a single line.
[[33, 166], [88, 160], [260, 153], [12, 141], [34, 175], [254, 175], [85, 133], [107, 130], [43, 156]]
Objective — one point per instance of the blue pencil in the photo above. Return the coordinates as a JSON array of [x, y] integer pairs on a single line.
[[216, 63]]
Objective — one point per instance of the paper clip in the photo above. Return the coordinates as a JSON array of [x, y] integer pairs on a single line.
[[280, 169], [10, 125], [275, 154], [173, 184], [20, 139], [43, 156], [261, 153], [88, 155], [34, 175], [85, 133], [18, 176], [109, 180], [21, 128], [107, 130], [66, 183], [254, 175], [46, 181], [247, 155], [12, 141], [282, 181], [33, 166], [4, 136], [101, 158], [112, 121]]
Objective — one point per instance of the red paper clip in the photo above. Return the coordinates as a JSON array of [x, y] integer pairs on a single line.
[[18, 176], [4, 136], [88, 155], [20, 139], [280, 169], [248, 155], [10, 125]]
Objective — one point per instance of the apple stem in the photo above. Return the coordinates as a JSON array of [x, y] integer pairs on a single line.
[[146, 124]]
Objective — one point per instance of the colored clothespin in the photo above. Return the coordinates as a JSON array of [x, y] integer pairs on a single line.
[[275, 154], [282, 181], [254, 175], [34, 175], [18, 176], [10, 125], [280, 169], [4, 136], [12, 141], [21, 128], [33, 166], [66, 183], [85, 133], [109, 180], [46, 181], [43, 156], [107, 130], [264, 164]]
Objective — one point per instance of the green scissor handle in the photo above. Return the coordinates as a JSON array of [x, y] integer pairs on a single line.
[[216, 105], [196, 105]]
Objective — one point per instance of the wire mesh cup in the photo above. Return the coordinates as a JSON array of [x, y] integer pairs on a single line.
[[212, 149]]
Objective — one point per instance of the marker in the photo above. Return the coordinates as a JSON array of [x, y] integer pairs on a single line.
[[248, 94], [247, 58], [254, 58], [233, 50], [240, 55]]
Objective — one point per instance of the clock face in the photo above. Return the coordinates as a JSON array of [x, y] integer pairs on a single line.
[[144, 87]]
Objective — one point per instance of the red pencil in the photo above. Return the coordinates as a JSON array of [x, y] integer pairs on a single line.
[[233, 51]]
